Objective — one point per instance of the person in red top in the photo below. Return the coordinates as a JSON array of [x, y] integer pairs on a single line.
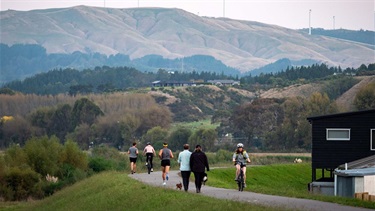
[[149, 151]]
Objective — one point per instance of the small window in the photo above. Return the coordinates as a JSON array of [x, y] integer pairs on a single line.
[[338, 134], [372, 137]]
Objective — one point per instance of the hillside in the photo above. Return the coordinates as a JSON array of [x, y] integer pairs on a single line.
[[169, 33]]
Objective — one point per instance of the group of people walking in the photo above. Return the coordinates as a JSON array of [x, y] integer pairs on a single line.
[[195, 162]]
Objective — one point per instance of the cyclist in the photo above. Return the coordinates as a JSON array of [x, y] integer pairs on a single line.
[[149, 151], [240, 157]]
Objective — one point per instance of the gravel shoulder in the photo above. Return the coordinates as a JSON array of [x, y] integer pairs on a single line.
[[255, 198]]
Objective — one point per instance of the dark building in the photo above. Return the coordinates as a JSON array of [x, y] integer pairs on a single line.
[[340, 138]]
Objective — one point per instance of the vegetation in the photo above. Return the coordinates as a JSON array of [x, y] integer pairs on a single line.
[[362, 36], [115, 191], [279, 179], [112, 190]]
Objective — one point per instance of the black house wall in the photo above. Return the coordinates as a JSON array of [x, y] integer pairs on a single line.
[[331, 154]]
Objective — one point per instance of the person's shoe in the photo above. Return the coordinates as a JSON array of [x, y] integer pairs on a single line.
[[146, 163], [167, 177], [152, 170], [244, 185], [236, 179], [164, 183], [132, 172]]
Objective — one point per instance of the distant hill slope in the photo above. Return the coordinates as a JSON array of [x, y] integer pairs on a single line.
[[174, 33], [362, 36]]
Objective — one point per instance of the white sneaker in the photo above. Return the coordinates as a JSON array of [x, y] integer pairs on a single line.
[[164, 183], [152, 170], [146, 164]]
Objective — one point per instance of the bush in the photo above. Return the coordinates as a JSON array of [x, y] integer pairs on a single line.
[[107, 158], [20, 184], [43, 154], [72, 155], [98, 164]]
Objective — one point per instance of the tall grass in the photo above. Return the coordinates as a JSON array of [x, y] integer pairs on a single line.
[[116, 191]]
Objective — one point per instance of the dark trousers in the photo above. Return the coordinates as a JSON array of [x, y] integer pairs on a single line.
[[185, 179], [198, 180], [151, 157]]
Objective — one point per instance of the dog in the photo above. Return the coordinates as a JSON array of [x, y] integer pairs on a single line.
[[179, 185]]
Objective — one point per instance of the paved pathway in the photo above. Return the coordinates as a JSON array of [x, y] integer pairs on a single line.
[[255, 198]]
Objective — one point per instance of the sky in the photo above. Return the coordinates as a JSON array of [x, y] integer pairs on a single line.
[[294, 14]]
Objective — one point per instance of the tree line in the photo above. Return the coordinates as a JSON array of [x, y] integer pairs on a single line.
[[101, 80]]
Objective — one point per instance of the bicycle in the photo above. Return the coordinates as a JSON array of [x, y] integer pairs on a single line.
[[240, 178]]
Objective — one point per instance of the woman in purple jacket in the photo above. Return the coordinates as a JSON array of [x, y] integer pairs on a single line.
[[198, 163]]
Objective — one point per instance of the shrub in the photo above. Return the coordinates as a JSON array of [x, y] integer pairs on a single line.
[[15, 156], [20, 184], [106, 158], [43, 154], [72, 155], [98, 164]]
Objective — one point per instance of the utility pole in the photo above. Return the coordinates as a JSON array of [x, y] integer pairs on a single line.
[[223, 8], [310, 22]]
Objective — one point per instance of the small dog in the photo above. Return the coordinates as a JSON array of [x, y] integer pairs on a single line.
[[179, 186]]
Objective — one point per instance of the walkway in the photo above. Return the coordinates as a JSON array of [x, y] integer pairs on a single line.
[[255, 198]]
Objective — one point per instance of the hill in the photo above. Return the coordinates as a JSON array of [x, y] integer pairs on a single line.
[[168, 33]]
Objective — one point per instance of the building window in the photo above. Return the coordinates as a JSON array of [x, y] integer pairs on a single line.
[[372, 137], [334, 134]]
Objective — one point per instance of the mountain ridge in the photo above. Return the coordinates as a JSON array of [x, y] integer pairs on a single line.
[[174, 33]]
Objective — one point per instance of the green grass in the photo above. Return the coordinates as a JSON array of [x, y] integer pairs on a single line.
[[116, 191], [196, 125], [279, 179]]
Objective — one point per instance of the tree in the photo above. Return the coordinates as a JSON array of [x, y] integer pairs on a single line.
[[60, 121], [156, 135], [84, 111], [204, 137], [179, 137], [365, 98]]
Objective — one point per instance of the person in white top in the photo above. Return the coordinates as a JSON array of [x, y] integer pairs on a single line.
[[149, 150]]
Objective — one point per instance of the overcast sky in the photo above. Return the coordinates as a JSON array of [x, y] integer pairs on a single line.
[[294, 14]]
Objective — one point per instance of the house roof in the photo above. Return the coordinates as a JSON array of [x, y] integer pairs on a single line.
[[367, 162], [355, 172], [340, 114], [361, 167]]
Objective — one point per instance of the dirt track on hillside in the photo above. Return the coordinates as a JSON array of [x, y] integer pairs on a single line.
[[280, 202]]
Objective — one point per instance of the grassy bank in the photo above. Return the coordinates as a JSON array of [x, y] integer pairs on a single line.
[[116, 191], [279, 179]]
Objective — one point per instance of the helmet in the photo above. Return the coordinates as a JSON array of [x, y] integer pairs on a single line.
[[239, 145], [148, 143]]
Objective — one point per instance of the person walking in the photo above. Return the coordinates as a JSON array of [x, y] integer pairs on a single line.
[[165, 155], [198, 162], [184, 161], [149, 151], [133, 154]]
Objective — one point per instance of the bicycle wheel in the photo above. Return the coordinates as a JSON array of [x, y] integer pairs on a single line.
[[240, 181], [149, 165]]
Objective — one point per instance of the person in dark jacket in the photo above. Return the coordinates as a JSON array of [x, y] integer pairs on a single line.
[[198, 163]]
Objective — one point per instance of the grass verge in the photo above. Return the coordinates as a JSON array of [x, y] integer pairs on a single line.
[[279, 179], [116, 191]]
